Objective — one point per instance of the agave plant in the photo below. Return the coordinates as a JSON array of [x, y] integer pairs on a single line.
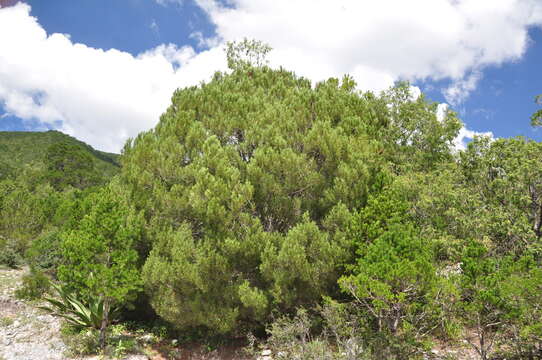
[[81, 315]]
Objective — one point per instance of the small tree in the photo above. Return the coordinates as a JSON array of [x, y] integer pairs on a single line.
[[481, 304], [521, 291], [100, 259], [394, 277], [501, 301]]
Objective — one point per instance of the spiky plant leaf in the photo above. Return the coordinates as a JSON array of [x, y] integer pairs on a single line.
[[75, 311]]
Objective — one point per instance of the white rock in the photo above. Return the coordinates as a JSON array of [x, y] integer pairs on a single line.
[[147, 338]]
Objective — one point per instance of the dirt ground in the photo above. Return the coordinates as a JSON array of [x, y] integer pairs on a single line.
[[27, 333]]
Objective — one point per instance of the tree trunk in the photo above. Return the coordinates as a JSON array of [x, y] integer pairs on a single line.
[[483, 350], [536, 211], [105, 323]]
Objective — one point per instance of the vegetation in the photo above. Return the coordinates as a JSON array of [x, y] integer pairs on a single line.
[[45, 176], [99, 255], [80, 316], [342, 224], [22, 148], [254, 178], [536, 118], [35, 285]]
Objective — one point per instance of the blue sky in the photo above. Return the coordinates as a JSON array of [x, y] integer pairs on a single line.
[[128, 25], [104, 70], [503, 100]]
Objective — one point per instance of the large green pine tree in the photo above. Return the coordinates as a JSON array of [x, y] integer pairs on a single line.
[[249, 181]]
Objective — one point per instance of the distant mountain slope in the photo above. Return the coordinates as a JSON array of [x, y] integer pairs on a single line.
[[18, 148]]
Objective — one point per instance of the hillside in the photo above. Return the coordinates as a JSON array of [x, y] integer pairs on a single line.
[[18, 148]]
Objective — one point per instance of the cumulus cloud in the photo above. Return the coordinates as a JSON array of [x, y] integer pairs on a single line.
[[379, 42], [101, 97], [104, 97]]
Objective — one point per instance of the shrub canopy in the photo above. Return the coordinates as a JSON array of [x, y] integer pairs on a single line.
[[249, 182]]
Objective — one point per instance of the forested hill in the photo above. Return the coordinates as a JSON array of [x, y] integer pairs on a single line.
[[19, 148]]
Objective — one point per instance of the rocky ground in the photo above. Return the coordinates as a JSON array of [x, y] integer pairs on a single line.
[[27, 333]]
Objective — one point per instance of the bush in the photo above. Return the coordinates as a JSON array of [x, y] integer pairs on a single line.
[[80, 342], [393, 281], [9, 253], [294, 337], [86, 341], [291, 338], [10, 257], [34, 285], [343, 326], [45, 253]]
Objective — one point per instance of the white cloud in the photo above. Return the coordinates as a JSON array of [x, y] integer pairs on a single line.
[[101, 97], [205, 42], [381, 41], [456, 93], [465, 134]]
